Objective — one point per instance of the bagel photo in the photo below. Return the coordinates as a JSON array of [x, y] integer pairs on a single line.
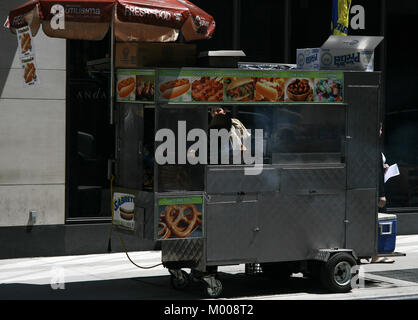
[[174, 88], [126, 214]]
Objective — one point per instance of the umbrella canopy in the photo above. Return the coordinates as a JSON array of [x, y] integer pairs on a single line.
[[134, 20]]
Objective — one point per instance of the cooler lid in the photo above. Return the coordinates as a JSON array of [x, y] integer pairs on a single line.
[[386, 216]]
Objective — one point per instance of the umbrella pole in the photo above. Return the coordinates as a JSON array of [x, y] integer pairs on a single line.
[[112, 104], [112, 65]]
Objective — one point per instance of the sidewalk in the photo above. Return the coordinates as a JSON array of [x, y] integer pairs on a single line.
[[113, 276]]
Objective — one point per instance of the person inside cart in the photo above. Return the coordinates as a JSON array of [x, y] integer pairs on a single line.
[[382, 195], [221, 120]]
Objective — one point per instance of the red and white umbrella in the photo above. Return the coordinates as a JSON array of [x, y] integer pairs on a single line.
[[133, 20]]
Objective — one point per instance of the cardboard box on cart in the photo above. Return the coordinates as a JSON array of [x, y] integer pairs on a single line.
[[340, 53], [150, 54]]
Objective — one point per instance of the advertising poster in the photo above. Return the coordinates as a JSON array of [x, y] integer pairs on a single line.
[[25, 42], [248, 86], [124, 210], [135, 85], [180, 217], [27, 56], [30, 71]]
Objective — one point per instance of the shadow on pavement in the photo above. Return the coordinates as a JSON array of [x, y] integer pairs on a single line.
[[235, 286]]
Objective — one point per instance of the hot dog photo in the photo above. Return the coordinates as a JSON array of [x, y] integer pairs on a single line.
[[25, 43], [269, 89], [126, 87], [175, 89]]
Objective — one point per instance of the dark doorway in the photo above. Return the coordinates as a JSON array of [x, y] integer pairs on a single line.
[[90, 136]]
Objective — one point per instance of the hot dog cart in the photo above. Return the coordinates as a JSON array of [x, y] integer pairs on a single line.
[[313, 206]]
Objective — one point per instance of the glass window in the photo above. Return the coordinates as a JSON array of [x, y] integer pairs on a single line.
[[90, 137], [179, 174], [297, 133]]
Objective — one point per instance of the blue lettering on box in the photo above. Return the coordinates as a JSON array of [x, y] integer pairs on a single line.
[[121, 201], [311, 59], [347, 59]]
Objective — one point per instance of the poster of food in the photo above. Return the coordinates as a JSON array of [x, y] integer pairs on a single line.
[[207, 89], [180, 217], [25, 42], [135, 85], [124, 210], [299, 89], [30, 71], [329, 90], [175, 89], [27, 56], [269, 89], [239, 89], [231, 86]]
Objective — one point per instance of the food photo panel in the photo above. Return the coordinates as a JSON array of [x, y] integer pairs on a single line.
[[299, 89], [269, 89]]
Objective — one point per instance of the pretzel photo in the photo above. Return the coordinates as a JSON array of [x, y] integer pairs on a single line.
[[179, 221]]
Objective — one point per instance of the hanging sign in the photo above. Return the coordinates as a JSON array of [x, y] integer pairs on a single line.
[[27, 56]]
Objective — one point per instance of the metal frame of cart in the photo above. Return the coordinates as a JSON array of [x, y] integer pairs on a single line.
[[318, 217]]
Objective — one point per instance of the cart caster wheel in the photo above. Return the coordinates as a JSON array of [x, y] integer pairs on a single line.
[[336, 273], [179, 279], [213, 286]]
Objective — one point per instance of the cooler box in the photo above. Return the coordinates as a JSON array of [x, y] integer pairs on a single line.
[[386, 233]]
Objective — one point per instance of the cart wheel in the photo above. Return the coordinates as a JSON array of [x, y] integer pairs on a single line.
[[214, 290], [179, 279], [336, 273]]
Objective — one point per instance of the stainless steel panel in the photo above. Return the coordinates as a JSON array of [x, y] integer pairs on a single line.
[[231, 231], [292, 227], [362, 221], [311, 180], [232, 179], [189, 252], [362, 131]]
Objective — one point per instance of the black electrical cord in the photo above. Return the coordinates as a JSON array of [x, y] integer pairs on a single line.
[[109, 247]]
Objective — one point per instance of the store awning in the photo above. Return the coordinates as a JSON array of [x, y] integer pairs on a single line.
[[134, 20]]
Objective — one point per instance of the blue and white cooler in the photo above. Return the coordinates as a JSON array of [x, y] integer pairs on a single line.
[[386, 234]]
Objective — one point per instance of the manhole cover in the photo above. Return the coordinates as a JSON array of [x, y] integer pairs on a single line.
[[410, 275]]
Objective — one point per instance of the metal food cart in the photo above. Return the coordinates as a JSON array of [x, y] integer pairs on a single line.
[[313, 207]]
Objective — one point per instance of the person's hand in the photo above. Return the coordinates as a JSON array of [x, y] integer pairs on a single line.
[[191, 153], [381, 203]]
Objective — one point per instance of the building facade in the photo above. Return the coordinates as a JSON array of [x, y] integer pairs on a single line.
[[57, 139]]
